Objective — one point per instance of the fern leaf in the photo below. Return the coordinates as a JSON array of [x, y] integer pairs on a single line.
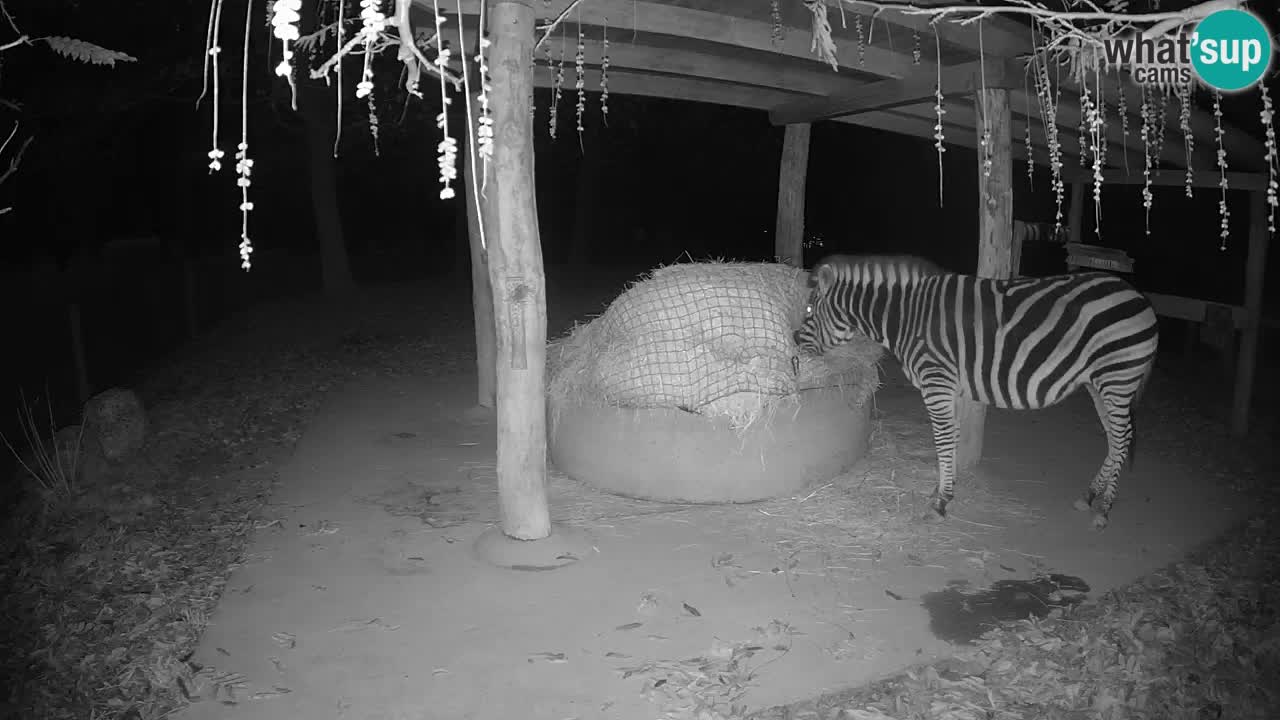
[[87, 52]]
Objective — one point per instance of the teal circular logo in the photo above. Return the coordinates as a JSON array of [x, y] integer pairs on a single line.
[[1231, 49]]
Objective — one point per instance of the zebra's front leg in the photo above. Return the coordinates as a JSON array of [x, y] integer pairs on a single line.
[[940, 403]]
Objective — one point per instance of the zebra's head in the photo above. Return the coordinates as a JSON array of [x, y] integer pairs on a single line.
[[841, 294], [826, 324]]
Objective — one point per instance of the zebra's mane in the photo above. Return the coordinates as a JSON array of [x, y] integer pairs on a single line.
[[905, 268]]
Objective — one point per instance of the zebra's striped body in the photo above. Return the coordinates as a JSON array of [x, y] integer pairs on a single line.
[[1024, 343]]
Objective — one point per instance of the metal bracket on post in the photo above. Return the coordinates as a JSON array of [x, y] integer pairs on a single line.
[[517, 299]]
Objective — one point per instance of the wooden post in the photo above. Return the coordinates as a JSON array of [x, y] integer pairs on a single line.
[[995, 239], [481, 290], [1015, 251], [1255, 267], [788, 241], [517, 278], [1075, 213]]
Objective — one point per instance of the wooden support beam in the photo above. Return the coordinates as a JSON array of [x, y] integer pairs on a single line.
[[914, 89], [995, 240], [792, 175], [1255, 268], [1075, 213], [517, 278], [631, 18]]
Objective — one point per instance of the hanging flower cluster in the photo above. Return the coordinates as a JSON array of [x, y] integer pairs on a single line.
[[1086, 101], [862, 40], [938, 110], [1148, 122], [1049, 118], [484, 126], [244, 168], [211, 52], [244, 165], [373, 22], [1123, 109], [556, 85], [775, 20], [1188, 140], [916, 54], [1092, 114], [580, 80], [1223, 212], [1031, 165], [604, 72], [985, 140], [284, 26], [1268, 122], [447, 149]]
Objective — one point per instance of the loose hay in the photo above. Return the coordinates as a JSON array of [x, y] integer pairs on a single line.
[[710, 337]]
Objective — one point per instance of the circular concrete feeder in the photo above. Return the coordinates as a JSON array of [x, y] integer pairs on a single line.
[[672, 455]]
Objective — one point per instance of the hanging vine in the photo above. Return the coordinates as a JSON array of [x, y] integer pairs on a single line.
[[447, 160], [1224, 213], [1148, 122], [1188, 139], [604, 73], [1268, 123], [580, 82], [244, 165], [939, 111], [556, 86]]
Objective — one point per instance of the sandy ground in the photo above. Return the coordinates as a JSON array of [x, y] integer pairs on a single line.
[[362, 597]]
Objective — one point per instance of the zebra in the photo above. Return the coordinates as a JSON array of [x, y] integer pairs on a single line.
[[1024, 343]]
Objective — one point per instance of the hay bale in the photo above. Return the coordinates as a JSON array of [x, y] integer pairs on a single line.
[[709, 337]]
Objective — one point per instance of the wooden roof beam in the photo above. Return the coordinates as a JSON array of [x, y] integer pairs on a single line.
[[888, 94], [1000, 35], [628, 17]]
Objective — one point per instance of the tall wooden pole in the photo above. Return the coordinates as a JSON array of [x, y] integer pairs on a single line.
[[1255, 267], [995, 238], [1075, 213], [517, 278], [481, 291], [788, 241]]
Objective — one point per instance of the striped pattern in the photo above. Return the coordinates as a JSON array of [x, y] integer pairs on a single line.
[[1024, 343]]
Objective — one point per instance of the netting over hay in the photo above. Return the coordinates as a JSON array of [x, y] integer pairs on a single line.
[[709, 337]]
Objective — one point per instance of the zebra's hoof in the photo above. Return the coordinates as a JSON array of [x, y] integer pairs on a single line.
[[1082, 505], [1099, 521]]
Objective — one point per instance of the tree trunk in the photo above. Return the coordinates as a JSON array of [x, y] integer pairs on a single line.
[[995, 240], [518, 280], [788, 242], [1255, 271], [320, 124]]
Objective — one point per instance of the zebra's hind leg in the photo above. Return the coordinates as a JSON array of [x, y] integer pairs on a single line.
[[940, 403], [1117, 424]]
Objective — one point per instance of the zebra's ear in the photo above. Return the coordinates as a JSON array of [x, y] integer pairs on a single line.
[[822, 277]]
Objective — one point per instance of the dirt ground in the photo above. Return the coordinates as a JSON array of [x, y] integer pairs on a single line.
[[297, 542], [360, 595]]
